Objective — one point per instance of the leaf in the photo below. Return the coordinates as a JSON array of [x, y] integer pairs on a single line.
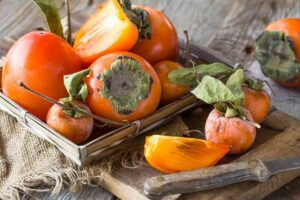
[[75, 85], [50, 11], [235, 82], [211, 90], [188, 76]]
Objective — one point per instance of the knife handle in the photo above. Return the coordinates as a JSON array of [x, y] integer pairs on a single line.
[[206, 178]]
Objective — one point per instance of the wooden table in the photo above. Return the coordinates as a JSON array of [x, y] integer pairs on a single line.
[[228, 27]]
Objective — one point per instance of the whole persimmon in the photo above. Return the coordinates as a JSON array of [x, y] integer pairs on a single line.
[[235, 132], [258, 102], [40, 60], [169, 91], [278, 51], [73, 125], [123, 87], [162, 42]]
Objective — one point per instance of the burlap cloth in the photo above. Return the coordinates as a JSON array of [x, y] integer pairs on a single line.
[[28, 163]]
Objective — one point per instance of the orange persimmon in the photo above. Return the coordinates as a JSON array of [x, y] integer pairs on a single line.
[[163, 43], [258, 102], [123, 87], [77, 129], [169, 91], [170, 154], [40, 60], [106, 31], [278, 51], [236, 132]]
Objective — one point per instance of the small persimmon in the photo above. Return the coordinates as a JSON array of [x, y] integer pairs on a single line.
[[258, 102], [72, 125], [239, 134], [169, 91], [171, 154]]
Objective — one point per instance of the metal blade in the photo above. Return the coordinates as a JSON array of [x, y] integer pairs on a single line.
[[282, 165]]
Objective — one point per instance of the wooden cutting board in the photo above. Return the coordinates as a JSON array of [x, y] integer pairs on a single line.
[[279, 137]]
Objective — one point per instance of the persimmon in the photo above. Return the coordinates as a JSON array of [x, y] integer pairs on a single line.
[[39, 59], [169, 91], [258, 102], [108, 30], [171, 154], [278, 51], [123, 87], [162, 43], [235, 132], [74, 126]]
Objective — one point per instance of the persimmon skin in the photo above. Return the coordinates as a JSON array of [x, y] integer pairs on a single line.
[[103, 107], [78, 130], [291, 27], [169, 91], [107, 30], [258, 103], [235, 132], [169, 154], [40, 60], [164, 43]]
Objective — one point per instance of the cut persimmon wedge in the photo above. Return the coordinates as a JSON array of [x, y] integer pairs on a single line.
[[106, 31], [170, 154]]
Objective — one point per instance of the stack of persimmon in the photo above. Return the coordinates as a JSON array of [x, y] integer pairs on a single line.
[[122, 66], [119, 43]]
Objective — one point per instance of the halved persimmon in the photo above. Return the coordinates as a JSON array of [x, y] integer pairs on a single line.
[[171, 154], [106, 31]]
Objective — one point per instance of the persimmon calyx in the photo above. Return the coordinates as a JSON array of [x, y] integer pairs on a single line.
[[254, 84], [139, 17], [73, 110], [276, 54], [125, 84]]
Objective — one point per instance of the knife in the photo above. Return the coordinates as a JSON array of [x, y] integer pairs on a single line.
[[219, 176]]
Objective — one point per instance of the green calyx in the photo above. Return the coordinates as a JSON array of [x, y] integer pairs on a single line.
[[254, 84], [139, 17], [125, 84], [276, 54], [73, 110], [231, 110]]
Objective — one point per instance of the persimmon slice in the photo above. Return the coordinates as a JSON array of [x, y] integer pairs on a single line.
[[170, 154], [107, 30]]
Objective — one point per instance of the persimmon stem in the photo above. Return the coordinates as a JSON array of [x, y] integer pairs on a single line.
[[269, 86], [69, 36], [106, 121], [187, 48]]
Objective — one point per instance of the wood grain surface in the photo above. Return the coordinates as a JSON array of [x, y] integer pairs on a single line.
[[229, 27]]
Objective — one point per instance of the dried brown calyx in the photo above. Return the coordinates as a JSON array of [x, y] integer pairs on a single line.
[[125, 84]]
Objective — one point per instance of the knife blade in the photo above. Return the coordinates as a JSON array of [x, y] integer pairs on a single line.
[[218, 176]]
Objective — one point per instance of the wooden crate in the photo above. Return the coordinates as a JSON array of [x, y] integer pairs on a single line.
[[101, 144]]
